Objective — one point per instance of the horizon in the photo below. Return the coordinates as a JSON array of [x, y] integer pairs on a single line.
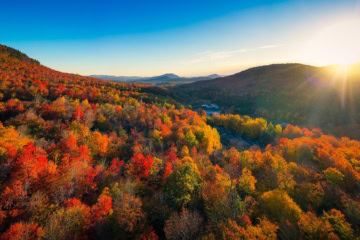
[[223, 75], [145, 39], [339, 67]]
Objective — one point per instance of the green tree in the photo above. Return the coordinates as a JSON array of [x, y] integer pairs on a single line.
[[334, 176], [183, 184], [246, 182], [279, 206], [190, 138]]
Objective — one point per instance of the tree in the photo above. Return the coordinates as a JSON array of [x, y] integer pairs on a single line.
[[341, 227], [140, 165], [103, 207], [292, 131], [184, 151], [183, 226], [31, 163], [254, 128], [167, 170], [78, 113], [334, 176], [183, 184], [99, 143], [10, 137], [69, 222], [308, 195], [127, 212], [246, 182], [115, 166], [279, 206], [265, 230], [191, 138], [313, 227], [23, 231], [216, 195], [171, 157]]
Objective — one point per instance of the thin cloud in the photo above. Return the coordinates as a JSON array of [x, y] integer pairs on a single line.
[[270, 46], [215, 55], [220, 55]]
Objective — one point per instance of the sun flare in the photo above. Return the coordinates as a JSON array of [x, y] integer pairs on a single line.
[[336, 44]]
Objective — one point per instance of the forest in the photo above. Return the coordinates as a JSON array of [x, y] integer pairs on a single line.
[[83, 158], [302, 95]]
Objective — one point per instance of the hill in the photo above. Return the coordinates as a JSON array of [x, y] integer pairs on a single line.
[[293, 93], [83, 158], [13, 53], [20, 73], [156, 80]]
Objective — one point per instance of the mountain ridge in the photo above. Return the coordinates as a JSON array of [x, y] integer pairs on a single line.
[[164, 78], [294, 93]]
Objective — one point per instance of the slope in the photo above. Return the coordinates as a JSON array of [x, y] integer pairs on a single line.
[[82, 158], [294, 93]]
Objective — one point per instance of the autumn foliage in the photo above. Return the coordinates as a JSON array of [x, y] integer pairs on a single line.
[[82, 158]]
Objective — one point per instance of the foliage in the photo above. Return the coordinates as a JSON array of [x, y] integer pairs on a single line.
[[83, 158], [185, 225], [287, 93], [183, 184]]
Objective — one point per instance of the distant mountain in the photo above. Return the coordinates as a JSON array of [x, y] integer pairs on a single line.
[[165, 78], [294, 93], [213, 76], [116, 78]]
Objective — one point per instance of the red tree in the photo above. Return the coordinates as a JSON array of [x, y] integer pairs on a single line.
[[140, 165]]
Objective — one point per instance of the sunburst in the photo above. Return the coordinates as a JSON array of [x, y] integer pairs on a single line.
[[336, 44]]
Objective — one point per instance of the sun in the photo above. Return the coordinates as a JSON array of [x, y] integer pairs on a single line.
[[339, 43], [343, 66]]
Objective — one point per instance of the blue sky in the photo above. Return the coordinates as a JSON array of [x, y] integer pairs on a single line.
[[143, 38]]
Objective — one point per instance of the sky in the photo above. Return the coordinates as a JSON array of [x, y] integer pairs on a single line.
[[185, 37]]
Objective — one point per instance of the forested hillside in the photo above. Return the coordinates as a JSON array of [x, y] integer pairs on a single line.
[[326, 97], [82, 158]]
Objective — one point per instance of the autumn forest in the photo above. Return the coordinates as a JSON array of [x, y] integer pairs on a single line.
[[84, 158]]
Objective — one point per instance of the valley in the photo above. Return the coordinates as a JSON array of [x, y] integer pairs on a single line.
[[180, 120], [85, 158]]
